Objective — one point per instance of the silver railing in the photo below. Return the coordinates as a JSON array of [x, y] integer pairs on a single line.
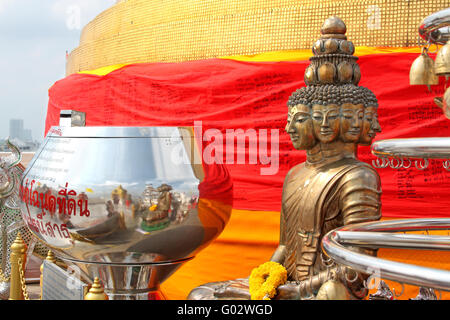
[[386, 234], [404, 153], [435, 27]]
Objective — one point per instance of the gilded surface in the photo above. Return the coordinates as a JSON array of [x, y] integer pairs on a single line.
[[142, 31]]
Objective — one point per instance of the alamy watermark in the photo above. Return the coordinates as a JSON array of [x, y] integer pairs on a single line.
[[73, 18], [230, 147], [374, 19]]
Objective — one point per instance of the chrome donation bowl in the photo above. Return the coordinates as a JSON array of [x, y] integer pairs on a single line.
[[129, 205]]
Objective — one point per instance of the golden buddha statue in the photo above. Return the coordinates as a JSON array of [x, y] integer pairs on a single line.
[[328, 118]]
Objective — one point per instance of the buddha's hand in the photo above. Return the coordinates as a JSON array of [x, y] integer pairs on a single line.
[[233, 289], [288, 291]]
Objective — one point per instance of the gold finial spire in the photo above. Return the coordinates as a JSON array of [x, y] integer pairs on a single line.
[[18, 241], [17, 260], [333, 26], [96, 292], [51, 256], [333, 62]]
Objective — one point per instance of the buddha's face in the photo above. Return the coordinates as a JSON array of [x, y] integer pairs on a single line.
[[326, 122], [351, 122], [371, 126], [300, 128]]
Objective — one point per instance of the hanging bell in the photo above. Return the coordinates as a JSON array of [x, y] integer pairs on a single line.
[[442, 63], [444, 103], [422, 71]]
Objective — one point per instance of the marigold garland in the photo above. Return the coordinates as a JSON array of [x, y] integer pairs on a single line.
[[265, 279]]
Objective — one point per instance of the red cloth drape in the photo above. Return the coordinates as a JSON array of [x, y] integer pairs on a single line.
[[228, 94]]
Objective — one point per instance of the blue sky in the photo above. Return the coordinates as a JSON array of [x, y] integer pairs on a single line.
[[34, 37]]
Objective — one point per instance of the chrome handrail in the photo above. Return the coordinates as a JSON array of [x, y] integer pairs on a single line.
[[435, 27], [381, 235], [403, 150]]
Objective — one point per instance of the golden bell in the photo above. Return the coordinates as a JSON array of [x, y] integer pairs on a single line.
[[422, 71], [444, 103], [442, 63]]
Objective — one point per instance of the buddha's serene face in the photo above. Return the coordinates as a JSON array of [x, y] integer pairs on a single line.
[[370, 126], [300, 128], [326, 122], [351, 122]]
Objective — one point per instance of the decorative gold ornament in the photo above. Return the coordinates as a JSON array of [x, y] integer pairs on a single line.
[[442, 61], [345, 72], [444, 103], [333, 25], [51, 258], [17, 260], [356, 74], [347, 47], [331, 46], [422, 70], [265, 279], [310, 75], [96, 292], [327, 72]]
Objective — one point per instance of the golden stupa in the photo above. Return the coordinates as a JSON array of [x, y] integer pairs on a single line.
[[138, 31]]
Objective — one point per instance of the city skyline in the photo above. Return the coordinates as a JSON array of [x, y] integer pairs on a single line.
[[18, 130], [36, 36]]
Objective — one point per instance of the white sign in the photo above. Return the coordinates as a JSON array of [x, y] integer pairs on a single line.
[[55, 284]]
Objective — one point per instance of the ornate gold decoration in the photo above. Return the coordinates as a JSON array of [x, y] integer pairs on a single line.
[[17, 260], [442, 62], [96, 292], [422, 70], [51, 258], [265, 279], [137, 31], [23, 284]]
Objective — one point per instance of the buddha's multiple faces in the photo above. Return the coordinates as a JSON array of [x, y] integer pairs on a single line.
[[370, 127], [300, 127], [349, 122]]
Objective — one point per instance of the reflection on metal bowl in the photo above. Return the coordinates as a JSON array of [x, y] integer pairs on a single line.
[[128, 205]]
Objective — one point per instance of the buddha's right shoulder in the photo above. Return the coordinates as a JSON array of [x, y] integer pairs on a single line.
[[295, 169]]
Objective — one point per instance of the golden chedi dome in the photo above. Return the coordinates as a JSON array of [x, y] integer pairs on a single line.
[[139, 31]]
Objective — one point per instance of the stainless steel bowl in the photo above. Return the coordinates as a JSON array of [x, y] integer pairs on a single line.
[[126, 204]]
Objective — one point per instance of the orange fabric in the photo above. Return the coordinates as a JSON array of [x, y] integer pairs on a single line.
[[242, 247]]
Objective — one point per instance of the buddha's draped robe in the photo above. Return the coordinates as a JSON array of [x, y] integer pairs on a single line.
[[318, 199]]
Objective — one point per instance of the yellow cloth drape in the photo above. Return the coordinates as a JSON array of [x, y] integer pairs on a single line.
[[274, 56]]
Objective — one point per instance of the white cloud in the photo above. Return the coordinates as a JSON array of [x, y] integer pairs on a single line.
[[4, 4]]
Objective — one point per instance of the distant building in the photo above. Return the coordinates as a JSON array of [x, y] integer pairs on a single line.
[[27, 136], [20, 137], [16, 130]]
